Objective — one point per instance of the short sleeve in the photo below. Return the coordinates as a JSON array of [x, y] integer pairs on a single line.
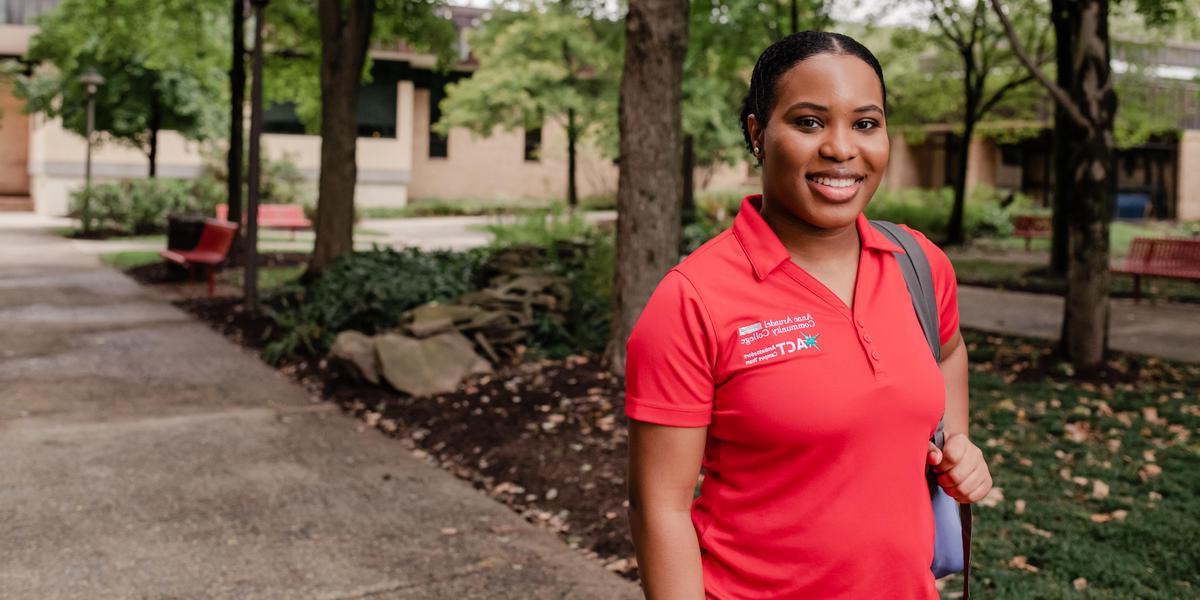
[[945, 285], [669, 358]]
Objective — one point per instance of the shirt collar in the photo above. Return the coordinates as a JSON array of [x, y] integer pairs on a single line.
[[766, 252]]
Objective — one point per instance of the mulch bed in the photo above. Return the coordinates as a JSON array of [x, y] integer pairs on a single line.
[[545, 437], [163, 272]]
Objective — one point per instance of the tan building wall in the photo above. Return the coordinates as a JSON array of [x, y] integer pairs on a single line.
[[495, 166], [14, 144], [1189, 175]]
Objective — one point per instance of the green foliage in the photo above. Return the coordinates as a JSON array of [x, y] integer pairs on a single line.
[[538, 64], [293, 47], [367, 292], [988, 212], [164, 64], [541, 228], [140, 206], [725, 38], [281, 182]]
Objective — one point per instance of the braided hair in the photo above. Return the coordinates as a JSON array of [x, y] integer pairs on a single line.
[[781, 56]]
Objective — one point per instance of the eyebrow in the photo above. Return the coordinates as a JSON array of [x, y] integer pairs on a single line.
[[822, 108]]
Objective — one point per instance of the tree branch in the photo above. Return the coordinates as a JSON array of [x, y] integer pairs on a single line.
[[1001, 92], [951, 32], [1058, 93]]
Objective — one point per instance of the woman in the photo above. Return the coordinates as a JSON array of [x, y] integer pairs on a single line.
[[784, 356]]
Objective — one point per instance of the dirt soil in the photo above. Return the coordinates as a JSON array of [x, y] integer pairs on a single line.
[[546, 437]]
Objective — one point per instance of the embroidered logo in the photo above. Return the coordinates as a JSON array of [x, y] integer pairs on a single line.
[[782, 329]]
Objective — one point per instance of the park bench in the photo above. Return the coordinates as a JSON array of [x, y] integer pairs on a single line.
[[211, 251], [1031, 226], [274, 216], [1177, 258]]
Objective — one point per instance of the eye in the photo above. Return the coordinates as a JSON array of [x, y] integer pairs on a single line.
[[808, 122], [866, 124]]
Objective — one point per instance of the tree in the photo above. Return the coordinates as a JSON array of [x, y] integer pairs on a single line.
[[650, 187], [536, 64], [324, 83], [1086, 100], [161, 61], [237, 101], [989, 74]]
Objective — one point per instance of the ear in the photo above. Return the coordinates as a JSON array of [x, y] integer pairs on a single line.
[[757, 131]]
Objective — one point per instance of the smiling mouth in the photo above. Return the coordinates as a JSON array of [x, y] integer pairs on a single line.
[[835, 188]]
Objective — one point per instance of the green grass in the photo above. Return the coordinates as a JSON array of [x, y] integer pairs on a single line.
[[130, 258], [1024, 277], [1121, 235], [269, 278], [1039, 430]]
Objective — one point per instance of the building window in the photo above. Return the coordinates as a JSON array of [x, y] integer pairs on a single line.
[[22, 12], [439, 145], [376, 105], [533, 144]]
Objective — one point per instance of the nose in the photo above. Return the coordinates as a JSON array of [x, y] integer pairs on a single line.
[[838, 145]]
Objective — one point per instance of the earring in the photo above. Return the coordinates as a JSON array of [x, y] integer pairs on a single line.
[[756, 150]]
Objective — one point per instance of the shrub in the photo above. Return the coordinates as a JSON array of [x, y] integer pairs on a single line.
[[541, 228], [987, 212], [365, 291], [138, 206]]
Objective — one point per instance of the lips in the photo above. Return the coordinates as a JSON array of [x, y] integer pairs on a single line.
[[837, 188]]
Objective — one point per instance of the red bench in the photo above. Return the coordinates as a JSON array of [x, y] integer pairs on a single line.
[[1177, 258], [1031, 226], [274, 216], [215, 239]]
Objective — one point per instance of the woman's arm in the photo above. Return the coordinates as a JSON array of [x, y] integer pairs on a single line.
[[964, 472], [664, 464]]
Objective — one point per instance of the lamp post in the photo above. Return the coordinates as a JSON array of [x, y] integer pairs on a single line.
[[253, 172], [92, 82]]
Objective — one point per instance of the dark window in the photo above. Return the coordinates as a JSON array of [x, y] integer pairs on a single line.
[[376, 105], [439, 145], [533, 144]]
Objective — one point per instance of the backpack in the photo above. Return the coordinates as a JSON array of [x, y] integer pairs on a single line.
[[952, 521]]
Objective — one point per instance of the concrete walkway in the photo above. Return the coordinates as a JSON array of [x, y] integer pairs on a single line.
[[144, 456], [1156, 329]]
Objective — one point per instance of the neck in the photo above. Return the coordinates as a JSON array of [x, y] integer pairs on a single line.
[[807, 243]]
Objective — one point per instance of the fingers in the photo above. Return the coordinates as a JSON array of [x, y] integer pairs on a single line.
[[963, 471], [934, 455]]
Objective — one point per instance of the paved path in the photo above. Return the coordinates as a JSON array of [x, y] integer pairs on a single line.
[[1162, 329], [144, 456]]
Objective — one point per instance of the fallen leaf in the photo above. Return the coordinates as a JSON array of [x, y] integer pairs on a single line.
[[1022, 563], [449, 531], [1019, 507], [1149, 471], [1099, 489], [1148, 455], [1079, 584], [1079, 480], [1114, 445], [1120, 515], [1077, 432], [1031, 528], [1025, 462], [1100, 517]]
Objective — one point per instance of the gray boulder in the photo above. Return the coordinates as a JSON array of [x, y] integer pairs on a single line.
[[355, 352], [434, 365]]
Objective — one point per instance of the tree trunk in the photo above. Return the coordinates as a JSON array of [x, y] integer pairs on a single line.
[[689, 179], [237, 102], [1064, 130], [955, 235], [345, 35], [1093, 179], [572, 139], [649, 190], [155, 123], [795, 17]]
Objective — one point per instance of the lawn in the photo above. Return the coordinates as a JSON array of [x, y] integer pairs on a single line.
[[1034, 278], [269, 277], [1121, 235], [1099, 482]]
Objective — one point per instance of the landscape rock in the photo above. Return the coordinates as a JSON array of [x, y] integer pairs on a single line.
[[355, 351], [434, 365]]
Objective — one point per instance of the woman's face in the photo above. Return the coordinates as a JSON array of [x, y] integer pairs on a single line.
[[825, 147]]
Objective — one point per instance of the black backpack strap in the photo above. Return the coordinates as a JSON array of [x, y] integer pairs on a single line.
[[918, 277]]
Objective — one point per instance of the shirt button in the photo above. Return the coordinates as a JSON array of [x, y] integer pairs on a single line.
[[875, 355], [867, 338], [861, 324]]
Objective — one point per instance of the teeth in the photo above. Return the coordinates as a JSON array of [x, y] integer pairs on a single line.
[[831, 182]]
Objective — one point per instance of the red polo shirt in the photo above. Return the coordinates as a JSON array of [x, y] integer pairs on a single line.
[[819, 415]]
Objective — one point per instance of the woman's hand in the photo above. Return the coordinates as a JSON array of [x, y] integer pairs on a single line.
[[963, 472]]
